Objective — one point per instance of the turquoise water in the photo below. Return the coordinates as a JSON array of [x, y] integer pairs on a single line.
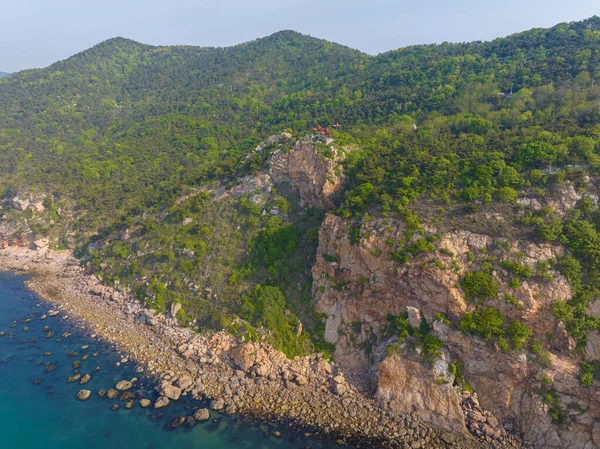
[[47, 415]]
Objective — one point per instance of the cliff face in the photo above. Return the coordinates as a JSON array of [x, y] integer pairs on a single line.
[[312, 169], [358, 285]]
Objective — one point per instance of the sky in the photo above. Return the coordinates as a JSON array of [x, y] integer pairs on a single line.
[[36, 33]]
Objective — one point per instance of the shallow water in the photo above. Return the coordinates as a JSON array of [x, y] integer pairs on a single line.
[[48, 415]]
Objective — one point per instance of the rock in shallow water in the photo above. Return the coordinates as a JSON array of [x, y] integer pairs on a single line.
[[145, 403], [84, 395], [202, 415], [161, 402], [123, 385], [111, 394], [74, 378], [178, 421], [85, 379]]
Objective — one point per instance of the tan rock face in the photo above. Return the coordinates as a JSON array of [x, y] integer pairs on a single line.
[[592, 348], [357, 286], [316, 177], [407, 385]]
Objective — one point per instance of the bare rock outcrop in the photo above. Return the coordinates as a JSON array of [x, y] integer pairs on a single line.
[[407, 385], [312, 168], [357, 285]]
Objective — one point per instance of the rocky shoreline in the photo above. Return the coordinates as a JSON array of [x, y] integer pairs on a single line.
[[241, 378]]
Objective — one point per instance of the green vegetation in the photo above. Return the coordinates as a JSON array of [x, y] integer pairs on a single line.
[[488, 323], [517, 268], [549, 396], [128, 140], [429, 345], [587, 373], [479, 285]]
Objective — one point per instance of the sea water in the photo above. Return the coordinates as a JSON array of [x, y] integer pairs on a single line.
[[47, 415]]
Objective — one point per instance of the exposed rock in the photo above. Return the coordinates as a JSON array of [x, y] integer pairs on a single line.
[[201, 414], [301, 380], [84, 395], [169, 390], [592, 347], [244, 356], [217, 404], [175, 307], [414, 317], [177, 421], [85, 379], [407, 385], [20, 204], [161, 402], [123, 385], [317, 178], [147, 317], [145, 403], [185, 382], [111, 394]]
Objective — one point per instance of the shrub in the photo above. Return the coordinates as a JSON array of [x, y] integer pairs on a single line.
[[587, 373], [507, 194], [518, 334], [524, 271], [486, 322], [479, 285]]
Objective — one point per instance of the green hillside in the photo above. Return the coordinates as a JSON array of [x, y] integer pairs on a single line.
[[123, 129]]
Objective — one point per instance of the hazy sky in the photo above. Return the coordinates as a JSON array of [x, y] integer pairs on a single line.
[[35, 33]]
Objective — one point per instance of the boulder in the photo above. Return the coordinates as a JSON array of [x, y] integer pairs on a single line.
[[175, 307], [217, 404], [74, 378], [147, 317], [41, 243], [169, 390], [414, 317], [84, 395], [301, 380], [111, 394], [145, 403], [201, 414], [190, 422], [177, 421], [244, 356], [85, 379], [20, 204], [185, 382], [123, 385], [161, 402]]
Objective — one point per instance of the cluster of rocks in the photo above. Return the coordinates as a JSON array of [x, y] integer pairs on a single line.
[[483, 424]]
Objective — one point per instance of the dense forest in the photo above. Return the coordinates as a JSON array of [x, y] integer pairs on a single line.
[[115, 134]]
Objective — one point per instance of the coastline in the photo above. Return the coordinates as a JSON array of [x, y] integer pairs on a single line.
[[240, 378]]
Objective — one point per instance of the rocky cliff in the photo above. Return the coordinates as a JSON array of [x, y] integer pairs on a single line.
[[312, 168], [359, 285]]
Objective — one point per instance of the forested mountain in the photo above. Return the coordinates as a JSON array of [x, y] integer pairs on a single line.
[[130, 144], [90, 126]]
